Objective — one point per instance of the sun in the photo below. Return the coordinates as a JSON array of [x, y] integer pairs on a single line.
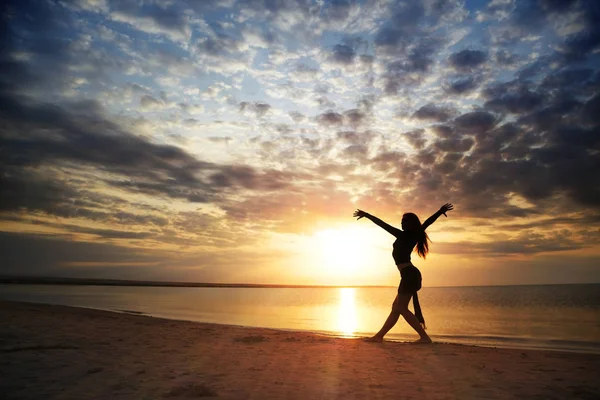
[[342, 250]]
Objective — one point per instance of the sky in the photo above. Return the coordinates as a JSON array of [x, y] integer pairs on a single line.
[[231, 141]]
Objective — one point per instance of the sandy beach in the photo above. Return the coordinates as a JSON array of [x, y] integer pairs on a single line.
[[57, 352]]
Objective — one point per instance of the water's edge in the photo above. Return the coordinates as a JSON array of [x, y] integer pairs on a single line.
[[517, 343]]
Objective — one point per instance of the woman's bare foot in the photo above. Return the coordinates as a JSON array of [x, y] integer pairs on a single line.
[[423, 340], [374, 339]]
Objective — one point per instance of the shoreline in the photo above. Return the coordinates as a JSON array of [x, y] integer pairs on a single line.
[[55, 351], [484, 341]]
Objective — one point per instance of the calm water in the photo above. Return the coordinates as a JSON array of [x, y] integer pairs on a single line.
[[560, 317]]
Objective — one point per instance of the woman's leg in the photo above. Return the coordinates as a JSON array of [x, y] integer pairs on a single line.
[[400, 307], [388, 324], [412, 319]]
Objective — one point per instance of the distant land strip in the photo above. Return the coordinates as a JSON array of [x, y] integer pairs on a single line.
[[36, 280]]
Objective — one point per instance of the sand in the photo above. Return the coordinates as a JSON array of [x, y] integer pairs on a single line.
[[57, 352]]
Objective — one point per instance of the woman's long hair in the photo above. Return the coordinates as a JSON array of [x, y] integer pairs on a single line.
[[413, 225]]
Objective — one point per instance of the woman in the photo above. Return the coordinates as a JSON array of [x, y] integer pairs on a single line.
[[412, 234]]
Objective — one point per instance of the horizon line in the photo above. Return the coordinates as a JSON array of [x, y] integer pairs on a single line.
[[24, 279]]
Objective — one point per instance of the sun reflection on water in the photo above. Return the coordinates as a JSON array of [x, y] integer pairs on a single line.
[[347, 312]]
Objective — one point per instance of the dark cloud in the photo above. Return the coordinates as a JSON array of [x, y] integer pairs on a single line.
[[467, 60], [148, 103], [461, 85], [432, 112], [415, 138], [168, 19], [22, 189], [410, 69], [517, 103], [504, 57], [547, 156], [591, 111], [551, 116], [453, 145], [534, 16], [398, 32], [355, 151], [330, 118], [442, 131], [536, 68], [343, 54], [531, 16], [566, 78], [474, 122], [247, 177], [524, 245], [366, 104], [408, 40], [280, 10], [223, 44], [306, 71], [84, 136], [355, 117], [358, 140], [325, 103], [59, 256], [338, 10], [259, 109], [43, 30], [296, 116]]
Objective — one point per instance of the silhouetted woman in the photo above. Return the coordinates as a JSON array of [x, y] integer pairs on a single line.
[[412, 234]]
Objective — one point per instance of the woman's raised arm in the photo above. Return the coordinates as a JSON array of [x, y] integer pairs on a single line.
[[360, 214], [443, 209]]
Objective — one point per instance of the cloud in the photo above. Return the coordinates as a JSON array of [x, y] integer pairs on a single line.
[[259, 109], [462, 85], [170, 21], [343, 54], [516, 103], [591, 112], [86, 137], [148, 103], [101, 6], [567, 78], [399, 30], [221, 139], [442, 131], [432, 112], [330, 118], [523, 245], [355, 117], [467, 60], [415, 138], [505, 58], [474, 122], [55, 256], [296, 116], [338, 10], [412, 66]]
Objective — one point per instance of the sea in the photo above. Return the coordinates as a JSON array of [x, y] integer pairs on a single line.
[[550, 317]]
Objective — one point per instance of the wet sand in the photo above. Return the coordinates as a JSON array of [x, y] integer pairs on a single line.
[[58, 352]]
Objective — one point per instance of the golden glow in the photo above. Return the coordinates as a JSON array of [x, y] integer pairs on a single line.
[[342, 251], [347, 320]]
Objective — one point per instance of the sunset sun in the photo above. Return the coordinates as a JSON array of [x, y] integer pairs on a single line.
[[342, 250]]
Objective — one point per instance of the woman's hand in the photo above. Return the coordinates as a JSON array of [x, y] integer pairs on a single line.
[[359, 214], [445, 208]]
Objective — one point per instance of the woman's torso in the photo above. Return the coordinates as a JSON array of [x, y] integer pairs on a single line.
[[403, 247]]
